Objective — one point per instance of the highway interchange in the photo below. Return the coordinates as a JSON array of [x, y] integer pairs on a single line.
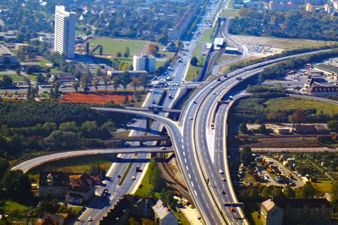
[[212, 194], [97, 209], [199, 142]]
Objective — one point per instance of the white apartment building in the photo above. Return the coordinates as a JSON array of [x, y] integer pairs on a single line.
[[64, 41], [144, 62]]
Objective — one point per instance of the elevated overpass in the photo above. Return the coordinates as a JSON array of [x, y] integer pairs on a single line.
[[41, 160], [154, 108]]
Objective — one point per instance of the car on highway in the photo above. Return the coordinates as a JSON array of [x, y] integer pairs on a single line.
[[105, 182], [133, 178], [233, 210], [163, 148], [89, 219], [221, 171]]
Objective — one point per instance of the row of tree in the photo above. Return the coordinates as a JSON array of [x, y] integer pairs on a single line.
[[30, 126], [290, 24]]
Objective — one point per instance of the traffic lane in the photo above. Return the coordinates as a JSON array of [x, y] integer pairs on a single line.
[[215, 180], [204, 121], [219, 128], [203, 203], [210, 215]]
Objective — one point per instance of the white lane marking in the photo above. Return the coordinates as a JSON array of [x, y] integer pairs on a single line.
[[195, 192], [185, 160], [192, 184], [183, 153], [187, 167], [189, 175]]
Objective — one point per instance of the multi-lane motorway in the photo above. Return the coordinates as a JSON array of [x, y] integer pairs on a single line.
[[129, 186], [211, 190], [199, 141]]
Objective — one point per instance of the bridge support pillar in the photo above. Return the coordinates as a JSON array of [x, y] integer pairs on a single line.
[[148, 124]]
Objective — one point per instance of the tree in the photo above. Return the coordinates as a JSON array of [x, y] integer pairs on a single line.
[[125, 79], [306, 192], [246, 156], [243, 128], [298, 117], [153, 49], [194, 61], [95, 82], [89, 129], [277, 193], [98, 72], [135, 82], [124, 67], [4, 165], [144, 80], [126, 53], [333, 125], [289, 192], [61, 140], [118, 54], [76, 85], [6, 81], [85, 79], [17, 186], [68, 126], [116, 82], [262, 129], [105, 82]]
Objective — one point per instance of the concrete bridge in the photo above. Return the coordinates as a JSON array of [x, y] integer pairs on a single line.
[[41, 160]]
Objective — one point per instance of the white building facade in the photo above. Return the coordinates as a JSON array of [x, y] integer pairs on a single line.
[[144, 62], [64, 41]]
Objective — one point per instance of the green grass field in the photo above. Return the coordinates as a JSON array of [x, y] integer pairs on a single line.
[[283, 43], [75, 165], [181, 218], [146, 188], [290, 103], [32, 77], [323, 186], [11, 206], [113, 46], [251, 211], [194, 71], [230, 12], [14, 76]]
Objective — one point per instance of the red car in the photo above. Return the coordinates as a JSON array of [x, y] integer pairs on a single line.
[[233, 210]]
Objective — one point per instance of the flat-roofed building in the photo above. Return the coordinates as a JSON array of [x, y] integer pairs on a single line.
[[144, 62], [7, 58], [64, 40]]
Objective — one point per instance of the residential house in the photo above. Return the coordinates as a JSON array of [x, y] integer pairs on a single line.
[[81, 189], [270, 213], [53, 184], [163, 215], [289, 211]]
